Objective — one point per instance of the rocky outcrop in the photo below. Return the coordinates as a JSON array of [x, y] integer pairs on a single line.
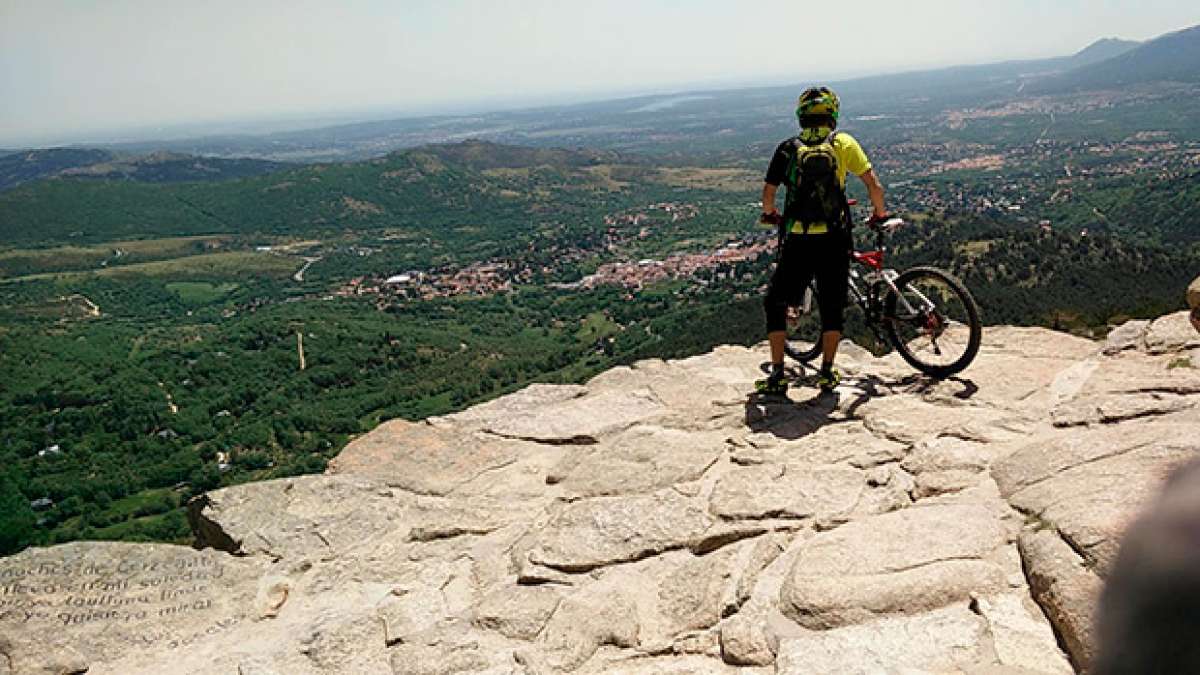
[[659, 520]]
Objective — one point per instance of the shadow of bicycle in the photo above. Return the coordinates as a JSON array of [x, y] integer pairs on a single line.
[[923, 385], [791, 419]]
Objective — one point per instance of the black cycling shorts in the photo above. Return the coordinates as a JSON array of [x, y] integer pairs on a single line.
[[825, 256]]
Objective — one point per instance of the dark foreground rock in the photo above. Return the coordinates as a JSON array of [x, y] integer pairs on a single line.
[[658, 520]]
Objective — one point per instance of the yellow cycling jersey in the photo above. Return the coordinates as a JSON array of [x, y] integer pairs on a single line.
[[851, 158]]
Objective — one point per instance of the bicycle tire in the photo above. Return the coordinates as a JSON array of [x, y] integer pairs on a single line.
[[914, 356], [804, 336]]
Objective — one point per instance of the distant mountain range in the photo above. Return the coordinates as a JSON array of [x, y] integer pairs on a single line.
[[1174, 57], [1101, 50], [1104, 64], [654, 124], [159, 167]]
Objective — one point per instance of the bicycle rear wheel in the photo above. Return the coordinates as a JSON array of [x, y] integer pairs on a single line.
[[804, 328], [934, 322]]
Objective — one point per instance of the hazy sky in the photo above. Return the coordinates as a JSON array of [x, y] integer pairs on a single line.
[[74, 68]]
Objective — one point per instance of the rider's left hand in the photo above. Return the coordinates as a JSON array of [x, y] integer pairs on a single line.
[[772, 218]]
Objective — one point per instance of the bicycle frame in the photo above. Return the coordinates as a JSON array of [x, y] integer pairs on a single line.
[[868, 299], [895, 304]]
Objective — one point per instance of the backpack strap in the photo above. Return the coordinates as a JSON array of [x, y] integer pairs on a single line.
[[795, 145], [847, 221]]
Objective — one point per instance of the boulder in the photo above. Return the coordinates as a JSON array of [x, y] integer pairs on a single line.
[[947, 639], [424, 458], [581, 624], [295, 517], [557, 415], [1171, 333], [1128, 387], [518, 612], [641, 459], [594, 533], [905, 562], [1089, 484], [848, 442], [1022, 639], [824, 493], [1066, 590], [1129, 335]]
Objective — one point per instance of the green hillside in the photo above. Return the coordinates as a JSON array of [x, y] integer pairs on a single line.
[[427, 192], [23, 167], [158, 167]]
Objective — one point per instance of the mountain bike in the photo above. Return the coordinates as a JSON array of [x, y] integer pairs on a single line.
[[925, 313]]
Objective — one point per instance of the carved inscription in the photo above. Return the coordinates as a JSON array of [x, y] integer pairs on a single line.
[[151, 600]]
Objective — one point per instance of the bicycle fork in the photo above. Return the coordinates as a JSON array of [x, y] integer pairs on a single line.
[[927, 310]]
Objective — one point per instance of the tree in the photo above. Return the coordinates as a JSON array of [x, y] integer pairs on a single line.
[[16, 518]]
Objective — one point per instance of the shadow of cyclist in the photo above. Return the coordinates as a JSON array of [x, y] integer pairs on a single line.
[[790, 419]]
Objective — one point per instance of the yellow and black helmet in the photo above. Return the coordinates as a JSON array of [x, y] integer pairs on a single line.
[[818, 107]]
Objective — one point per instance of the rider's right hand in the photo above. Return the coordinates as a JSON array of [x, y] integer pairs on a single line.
[[876, 220], [771, 218]]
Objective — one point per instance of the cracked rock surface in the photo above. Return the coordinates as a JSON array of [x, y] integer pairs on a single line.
[[658, 520]]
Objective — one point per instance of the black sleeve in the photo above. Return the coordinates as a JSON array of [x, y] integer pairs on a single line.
[[777, 169]]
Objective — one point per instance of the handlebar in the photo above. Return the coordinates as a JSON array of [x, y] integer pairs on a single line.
[[888, 225]]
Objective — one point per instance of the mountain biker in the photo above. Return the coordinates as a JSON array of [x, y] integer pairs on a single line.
[[815, 228]]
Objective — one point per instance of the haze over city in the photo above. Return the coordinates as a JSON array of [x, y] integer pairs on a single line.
[[84, 71]]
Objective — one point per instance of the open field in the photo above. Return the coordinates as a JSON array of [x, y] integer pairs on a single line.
[[595, 326], [230, 263], [223, 264], [724, 180], [25, 262], [200, 292]]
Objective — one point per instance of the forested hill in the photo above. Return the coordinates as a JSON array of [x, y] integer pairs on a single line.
[[1101, 50], [1030, 276], [159, 167], [22, 167], [425, 188]]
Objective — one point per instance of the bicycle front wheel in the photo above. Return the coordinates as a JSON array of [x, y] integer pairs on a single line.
[[804, 328], [934, 322]]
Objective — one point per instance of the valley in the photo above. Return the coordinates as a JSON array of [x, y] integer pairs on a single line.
[[167, 329]]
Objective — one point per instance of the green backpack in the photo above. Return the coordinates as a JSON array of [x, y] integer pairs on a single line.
[[814, 194]]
